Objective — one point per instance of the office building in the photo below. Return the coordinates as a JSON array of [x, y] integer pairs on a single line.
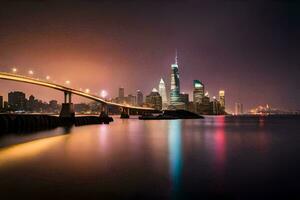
[[131, 100], [184, 98], [163, 93], [154, 100], [198, 92], [121, 97], [1, 103], [222, 99], [139, 98], [53, 104], [238, 109], [17, 100]]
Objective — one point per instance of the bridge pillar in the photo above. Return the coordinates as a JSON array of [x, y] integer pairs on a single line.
[[67, 110], [125, 113], [104, 118], [68, 97], [104, 108]]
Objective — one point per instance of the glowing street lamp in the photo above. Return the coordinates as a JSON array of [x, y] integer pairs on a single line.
[[14, 70], [68, 82], [30, 72], [103, 94], [87, 90], [48, 78]]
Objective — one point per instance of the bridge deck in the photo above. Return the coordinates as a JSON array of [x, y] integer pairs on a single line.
[[44, 83]]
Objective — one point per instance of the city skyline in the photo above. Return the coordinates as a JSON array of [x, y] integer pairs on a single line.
[[222, 60]]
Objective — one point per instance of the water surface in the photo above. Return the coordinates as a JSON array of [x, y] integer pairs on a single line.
[[215, 158]]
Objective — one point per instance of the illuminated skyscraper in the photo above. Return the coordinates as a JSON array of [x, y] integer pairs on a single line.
[[163, 93], [175, 85], [139, 98], [198, 92], [222, 99]]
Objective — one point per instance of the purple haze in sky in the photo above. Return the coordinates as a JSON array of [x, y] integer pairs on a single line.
[[248, 49]]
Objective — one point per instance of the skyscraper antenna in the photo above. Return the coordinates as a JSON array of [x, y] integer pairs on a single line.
[[176, 57]]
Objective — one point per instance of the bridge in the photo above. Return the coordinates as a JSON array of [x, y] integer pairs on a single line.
[[67, 107]]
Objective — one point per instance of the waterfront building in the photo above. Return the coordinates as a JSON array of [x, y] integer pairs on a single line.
[[154, 100], [17, 100], [238, 109], [205, 100], [82, 108], [215, 106], [53, 106], [5, 105], [131, 100], [184, 98], [163, 93], [222, 99], [175, 85], [139, 98], [1, 103], [121, 96], [31, 104], [198, 92]]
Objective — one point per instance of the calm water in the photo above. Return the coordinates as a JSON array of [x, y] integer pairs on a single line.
[[214, 158]]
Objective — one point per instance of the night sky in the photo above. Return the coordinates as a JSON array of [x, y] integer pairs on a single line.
[[249, 49]]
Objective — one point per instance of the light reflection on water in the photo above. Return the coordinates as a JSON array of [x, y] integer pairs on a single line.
[[175, 153], [130, 159]]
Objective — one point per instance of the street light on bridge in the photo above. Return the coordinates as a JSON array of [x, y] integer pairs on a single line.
[[30, 72], [103, 94], [14, 70], [48, 78], [87, 90], [68, 82]]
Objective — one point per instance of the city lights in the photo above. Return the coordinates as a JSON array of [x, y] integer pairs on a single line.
[[67, 82], [87, 90], [47, 77], [30, 72], [103, 93], [14, 70]]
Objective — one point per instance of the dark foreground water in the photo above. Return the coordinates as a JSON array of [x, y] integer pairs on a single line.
[[214, 158]]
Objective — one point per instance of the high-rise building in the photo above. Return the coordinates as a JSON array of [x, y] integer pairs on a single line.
[[154, 100], [121, 95], [238, 109], [215, 107], [131, 100], [1, 103], [198, 92], [184, 98], [53, 104], [175, 85], [222, 99], [17, 100], [31, 103], [163, 93], [139, 98]]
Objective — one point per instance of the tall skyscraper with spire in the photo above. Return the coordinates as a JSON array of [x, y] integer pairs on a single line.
[[175, 85], [163, 93]]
